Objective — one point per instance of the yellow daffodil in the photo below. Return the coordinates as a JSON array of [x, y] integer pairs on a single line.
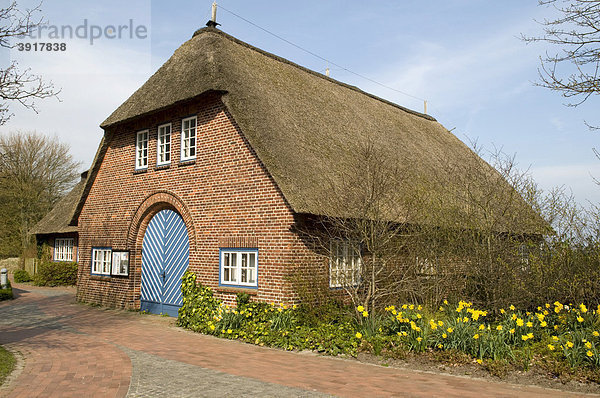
[[419, 339], [359, 335], [476, 336], [551, 347], [511, 331], [481, 327], [583, 308], [579, 319], [588, 345], [519, 322], [529, 324], [450, 330], [595, 333], [479, 361], [360, 308], [444, 335], [512, 307], [589, 354], [365, 314], [543, 324], [499, 327]]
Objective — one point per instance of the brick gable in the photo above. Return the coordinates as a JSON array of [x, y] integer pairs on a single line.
[[226, 197]]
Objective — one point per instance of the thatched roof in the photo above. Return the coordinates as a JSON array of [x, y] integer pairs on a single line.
[[302, 124], [58, 220]]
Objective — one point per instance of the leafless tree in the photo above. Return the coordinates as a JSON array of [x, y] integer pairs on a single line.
[[16, 84], [35, 171]]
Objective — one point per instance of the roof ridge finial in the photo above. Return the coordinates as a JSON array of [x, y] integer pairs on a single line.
[[212, 23]]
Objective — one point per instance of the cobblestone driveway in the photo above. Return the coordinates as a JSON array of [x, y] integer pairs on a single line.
[[74, 350]]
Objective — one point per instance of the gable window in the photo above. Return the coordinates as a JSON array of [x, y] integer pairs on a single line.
[[163, 145], [141, 150], [63, 249], [344, 263], [239, 267], [101, 260], [188, 138]]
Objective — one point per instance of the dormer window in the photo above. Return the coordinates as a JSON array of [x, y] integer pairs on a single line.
[[163, 145], [188, 138], [141, 150]]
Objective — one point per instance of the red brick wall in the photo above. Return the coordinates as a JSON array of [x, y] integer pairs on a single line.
[[225, 196]]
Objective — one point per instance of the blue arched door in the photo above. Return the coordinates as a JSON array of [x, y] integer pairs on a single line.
[[165, 257]]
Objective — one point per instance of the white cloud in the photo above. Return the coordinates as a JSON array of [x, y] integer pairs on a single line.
[[94, 81]]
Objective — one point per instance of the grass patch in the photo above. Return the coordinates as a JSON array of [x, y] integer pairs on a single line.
[[7, 364]]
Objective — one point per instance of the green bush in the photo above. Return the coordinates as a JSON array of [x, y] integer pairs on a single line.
[[6, 294], [22, 276], [56, 274]]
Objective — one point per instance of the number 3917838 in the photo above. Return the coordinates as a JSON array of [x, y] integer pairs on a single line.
[[42, 46]]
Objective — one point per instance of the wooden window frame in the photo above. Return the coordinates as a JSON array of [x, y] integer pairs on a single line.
[[163, 144], [141, 149], [344, 261], [63, 249], [239, 254], [189, 135], [106, 252]]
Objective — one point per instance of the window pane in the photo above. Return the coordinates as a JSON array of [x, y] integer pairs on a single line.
[[244, 275]]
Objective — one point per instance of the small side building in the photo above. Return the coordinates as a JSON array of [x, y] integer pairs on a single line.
[[56, 229]]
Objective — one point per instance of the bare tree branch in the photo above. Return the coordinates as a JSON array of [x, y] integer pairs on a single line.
[[17, 85], [573, 71]]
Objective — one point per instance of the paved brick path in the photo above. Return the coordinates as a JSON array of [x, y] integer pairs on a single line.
[[71, 349]]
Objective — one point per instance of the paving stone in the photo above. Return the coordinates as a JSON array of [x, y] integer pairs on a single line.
[[74, 350], [154, 376]]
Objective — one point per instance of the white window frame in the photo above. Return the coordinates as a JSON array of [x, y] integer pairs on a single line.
[[238, 267], [163, 144], [141, 149], [63, 249], [101, 261], [345, 263], [189, 135]]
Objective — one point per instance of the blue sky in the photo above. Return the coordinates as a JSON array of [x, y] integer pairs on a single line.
[[463, 56]]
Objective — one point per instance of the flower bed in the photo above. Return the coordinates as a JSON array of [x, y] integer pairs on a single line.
[[564, 335]]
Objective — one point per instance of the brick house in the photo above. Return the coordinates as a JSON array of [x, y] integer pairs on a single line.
[[56, 229], [214, 162]]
